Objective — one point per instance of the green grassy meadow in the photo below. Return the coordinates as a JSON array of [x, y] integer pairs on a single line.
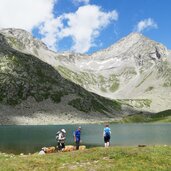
[[151, 158], [161, 117]]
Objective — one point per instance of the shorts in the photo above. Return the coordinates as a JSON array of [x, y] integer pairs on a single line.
[[106, 139], [61, 145], [77, 145]]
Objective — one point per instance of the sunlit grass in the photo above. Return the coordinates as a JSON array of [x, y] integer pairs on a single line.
[[164, 116], [113, 158]]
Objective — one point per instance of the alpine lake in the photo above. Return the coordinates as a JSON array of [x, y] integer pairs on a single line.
[[30, 139]]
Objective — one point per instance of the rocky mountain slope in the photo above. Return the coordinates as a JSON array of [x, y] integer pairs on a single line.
[[136, 70], [33, 92], [132, 69]]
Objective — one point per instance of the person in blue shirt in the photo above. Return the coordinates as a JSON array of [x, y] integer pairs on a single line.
[[77, 137], [107, 134]]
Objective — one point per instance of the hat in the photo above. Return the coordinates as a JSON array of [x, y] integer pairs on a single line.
[[63, 130], [79, 127]]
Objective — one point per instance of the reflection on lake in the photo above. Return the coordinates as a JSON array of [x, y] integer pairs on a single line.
[[17, 139]]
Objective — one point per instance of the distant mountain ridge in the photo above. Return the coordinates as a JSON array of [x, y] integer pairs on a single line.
[[135, 71], [31, 91], [133, 68]]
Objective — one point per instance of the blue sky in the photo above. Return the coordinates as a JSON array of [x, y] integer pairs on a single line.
[[86, 26]]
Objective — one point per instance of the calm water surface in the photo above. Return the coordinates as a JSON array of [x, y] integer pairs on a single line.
[[29, 139]]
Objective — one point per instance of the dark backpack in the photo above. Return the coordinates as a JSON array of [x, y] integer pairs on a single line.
[[57, 135], [107, 134]]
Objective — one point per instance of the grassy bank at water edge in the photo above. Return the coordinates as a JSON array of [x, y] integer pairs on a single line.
[[161, 117], [152, 158]]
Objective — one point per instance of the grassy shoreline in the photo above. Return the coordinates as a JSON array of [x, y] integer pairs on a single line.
[[98, 158], [161, 117]]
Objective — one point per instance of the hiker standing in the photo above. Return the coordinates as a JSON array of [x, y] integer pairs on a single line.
[[107, 134], [77, 136], [60, 137]]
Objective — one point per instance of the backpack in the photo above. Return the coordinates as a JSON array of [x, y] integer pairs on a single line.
[[107, 132], [57, 135]]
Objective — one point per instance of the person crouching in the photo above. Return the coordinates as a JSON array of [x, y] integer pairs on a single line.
[[60, 137]]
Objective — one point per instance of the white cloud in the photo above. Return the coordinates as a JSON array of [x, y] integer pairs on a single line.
[[25, 14], [50, 31], [146, 24], [83, 27]]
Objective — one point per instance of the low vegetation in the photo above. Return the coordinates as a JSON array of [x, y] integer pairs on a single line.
[[152, 158], [89, 103], [164, 116], [137, 103], [23, 76], [164, 73], [149, 88], [86, 79]]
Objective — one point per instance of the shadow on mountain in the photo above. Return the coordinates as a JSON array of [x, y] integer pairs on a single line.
[[32, 88]]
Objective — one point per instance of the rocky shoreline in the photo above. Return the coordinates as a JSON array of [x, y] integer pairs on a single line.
[[42, 119], [30, 112]]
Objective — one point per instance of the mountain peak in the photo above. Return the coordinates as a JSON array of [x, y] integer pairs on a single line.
[[21, 39], [135, 36], [132, 37], [123, 45], [15, 31]]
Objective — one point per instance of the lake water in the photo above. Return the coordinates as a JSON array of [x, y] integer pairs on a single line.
[[29, 139]]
